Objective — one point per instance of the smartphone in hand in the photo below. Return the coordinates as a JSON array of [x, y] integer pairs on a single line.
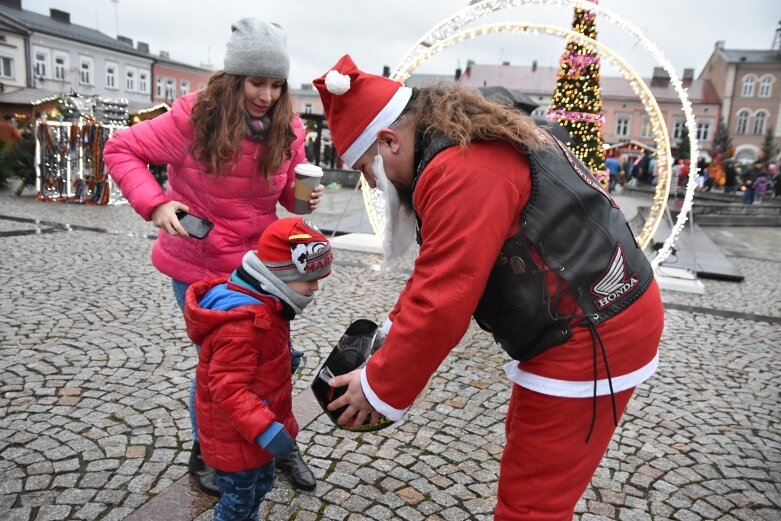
[[197, 227]]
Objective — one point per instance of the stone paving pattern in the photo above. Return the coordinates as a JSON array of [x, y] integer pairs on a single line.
[[95, 369]]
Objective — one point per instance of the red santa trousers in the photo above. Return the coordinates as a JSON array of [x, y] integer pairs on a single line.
[[547, 464]]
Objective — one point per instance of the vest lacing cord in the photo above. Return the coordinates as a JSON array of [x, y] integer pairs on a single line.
[[594, 337]]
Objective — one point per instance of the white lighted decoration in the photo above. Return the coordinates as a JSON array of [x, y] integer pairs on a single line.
[[448, 32]]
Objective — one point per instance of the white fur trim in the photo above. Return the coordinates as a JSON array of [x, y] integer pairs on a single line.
[[336, 82], [386, 116], [383, 408], [579, 389]]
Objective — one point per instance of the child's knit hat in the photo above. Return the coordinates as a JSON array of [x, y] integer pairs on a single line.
[[294, 249]]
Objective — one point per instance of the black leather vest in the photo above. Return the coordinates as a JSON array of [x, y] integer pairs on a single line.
[[580, 233]]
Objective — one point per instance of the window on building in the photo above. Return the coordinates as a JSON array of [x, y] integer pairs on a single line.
[[766, 86], [111, 75], [130, 79], [159, 88], [41, 63], [622, 125], [645, 129], [6, 67], [703, 130], [748, 86], [184, 87], [170, 87], [759, 123], [742, 123], [307, 108], [678, 126], [143, 82], [85, 70], [60, 66]]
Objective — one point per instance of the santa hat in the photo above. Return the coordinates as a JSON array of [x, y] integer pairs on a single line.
[[357, 105], [294, 249]]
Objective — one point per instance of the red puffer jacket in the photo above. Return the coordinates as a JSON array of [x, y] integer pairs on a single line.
[[243, 377]]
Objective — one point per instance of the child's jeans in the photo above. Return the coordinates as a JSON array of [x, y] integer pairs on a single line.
[[180, 289], [242, 492]]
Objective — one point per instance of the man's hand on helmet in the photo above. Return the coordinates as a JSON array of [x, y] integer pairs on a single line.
[[358, 407]]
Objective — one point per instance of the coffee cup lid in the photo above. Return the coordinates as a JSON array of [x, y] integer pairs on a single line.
[[310, 170]]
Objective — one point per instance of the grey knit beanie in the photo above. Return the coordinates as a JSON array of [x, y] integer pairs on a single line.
[[257, 48]]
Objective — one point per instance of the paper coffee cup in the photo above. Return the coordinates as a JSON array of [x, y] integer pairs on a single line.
[[307, 178]]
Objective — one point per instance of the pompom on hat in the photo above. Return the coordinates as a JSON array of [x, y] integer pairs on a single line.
[[257, 48], [294, 249], [357, 105]]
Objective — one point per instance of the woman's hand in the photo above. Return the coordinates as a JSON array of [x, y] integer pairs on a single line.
[[316, 194], [358, 407], [164, 217]]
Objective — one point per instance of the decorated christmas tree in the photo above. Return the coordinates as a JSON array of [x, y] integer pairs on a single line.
[[577, 100]]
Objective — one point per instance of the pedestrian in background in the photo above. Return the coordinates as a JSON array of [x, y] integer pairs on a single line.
[[242, 323], [749, 179], [558, 280], [652, 170], [730, 176], [775, 180], [231, 150], [614, 167], [9, 132], [761, 185]]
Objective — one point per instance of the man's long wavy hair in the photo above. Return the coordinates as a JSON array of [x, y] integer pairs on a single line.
[[220, 121], [464, 115]]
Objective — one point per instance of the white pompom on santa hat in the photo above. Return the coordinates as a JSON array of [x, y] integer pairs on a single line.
[[357, 105]]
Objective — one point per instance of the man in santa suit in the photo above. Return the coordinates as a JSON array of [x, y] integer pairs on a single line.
[[515, 232]]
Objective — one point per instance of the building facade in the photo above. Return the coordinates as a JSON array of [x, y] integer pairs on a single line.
[[306, 100], [748, 83], [172, 79], [44, 56], [13, 56], [65, 57]]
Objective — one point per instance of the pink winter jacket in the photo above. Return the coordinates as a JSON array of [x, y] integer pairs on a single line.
[[241, 205]]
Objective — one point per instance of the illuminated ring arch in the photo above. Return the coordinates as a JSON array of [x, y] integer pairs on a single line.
[[636, 82], [448, 27]]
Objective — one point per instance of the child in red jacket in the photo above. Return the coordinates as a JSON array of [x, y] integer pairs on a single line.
[[243, 396]]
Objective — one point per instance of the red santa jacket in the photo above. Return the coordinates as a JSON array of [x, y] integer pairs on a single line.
[[469, 203], [243, 381]]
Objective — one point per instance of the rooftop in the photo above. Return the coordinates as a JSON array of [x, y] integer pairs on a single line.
[[542, 80]]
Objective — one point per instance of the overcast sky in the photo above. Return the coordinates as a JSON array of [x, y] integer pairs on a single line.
[[378, 33]]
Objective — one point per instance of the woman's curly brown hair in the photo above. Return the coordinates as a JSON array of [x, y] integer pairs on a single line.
[[220, 122], [464, 115]]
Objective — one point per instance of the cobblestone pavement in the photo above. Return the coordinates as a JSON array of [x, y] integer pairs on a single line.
[[95, 368]]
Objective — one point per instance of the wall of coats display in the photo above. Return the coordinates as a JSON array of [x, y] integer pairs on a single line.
[[69, 162]]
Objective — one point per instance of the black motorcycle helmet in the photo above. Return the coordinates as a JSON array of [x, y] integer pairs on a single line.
[[357, 344]]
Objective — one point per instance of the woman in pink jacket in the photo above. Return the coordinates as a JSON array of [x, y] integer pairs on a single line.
[[231, 150]]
